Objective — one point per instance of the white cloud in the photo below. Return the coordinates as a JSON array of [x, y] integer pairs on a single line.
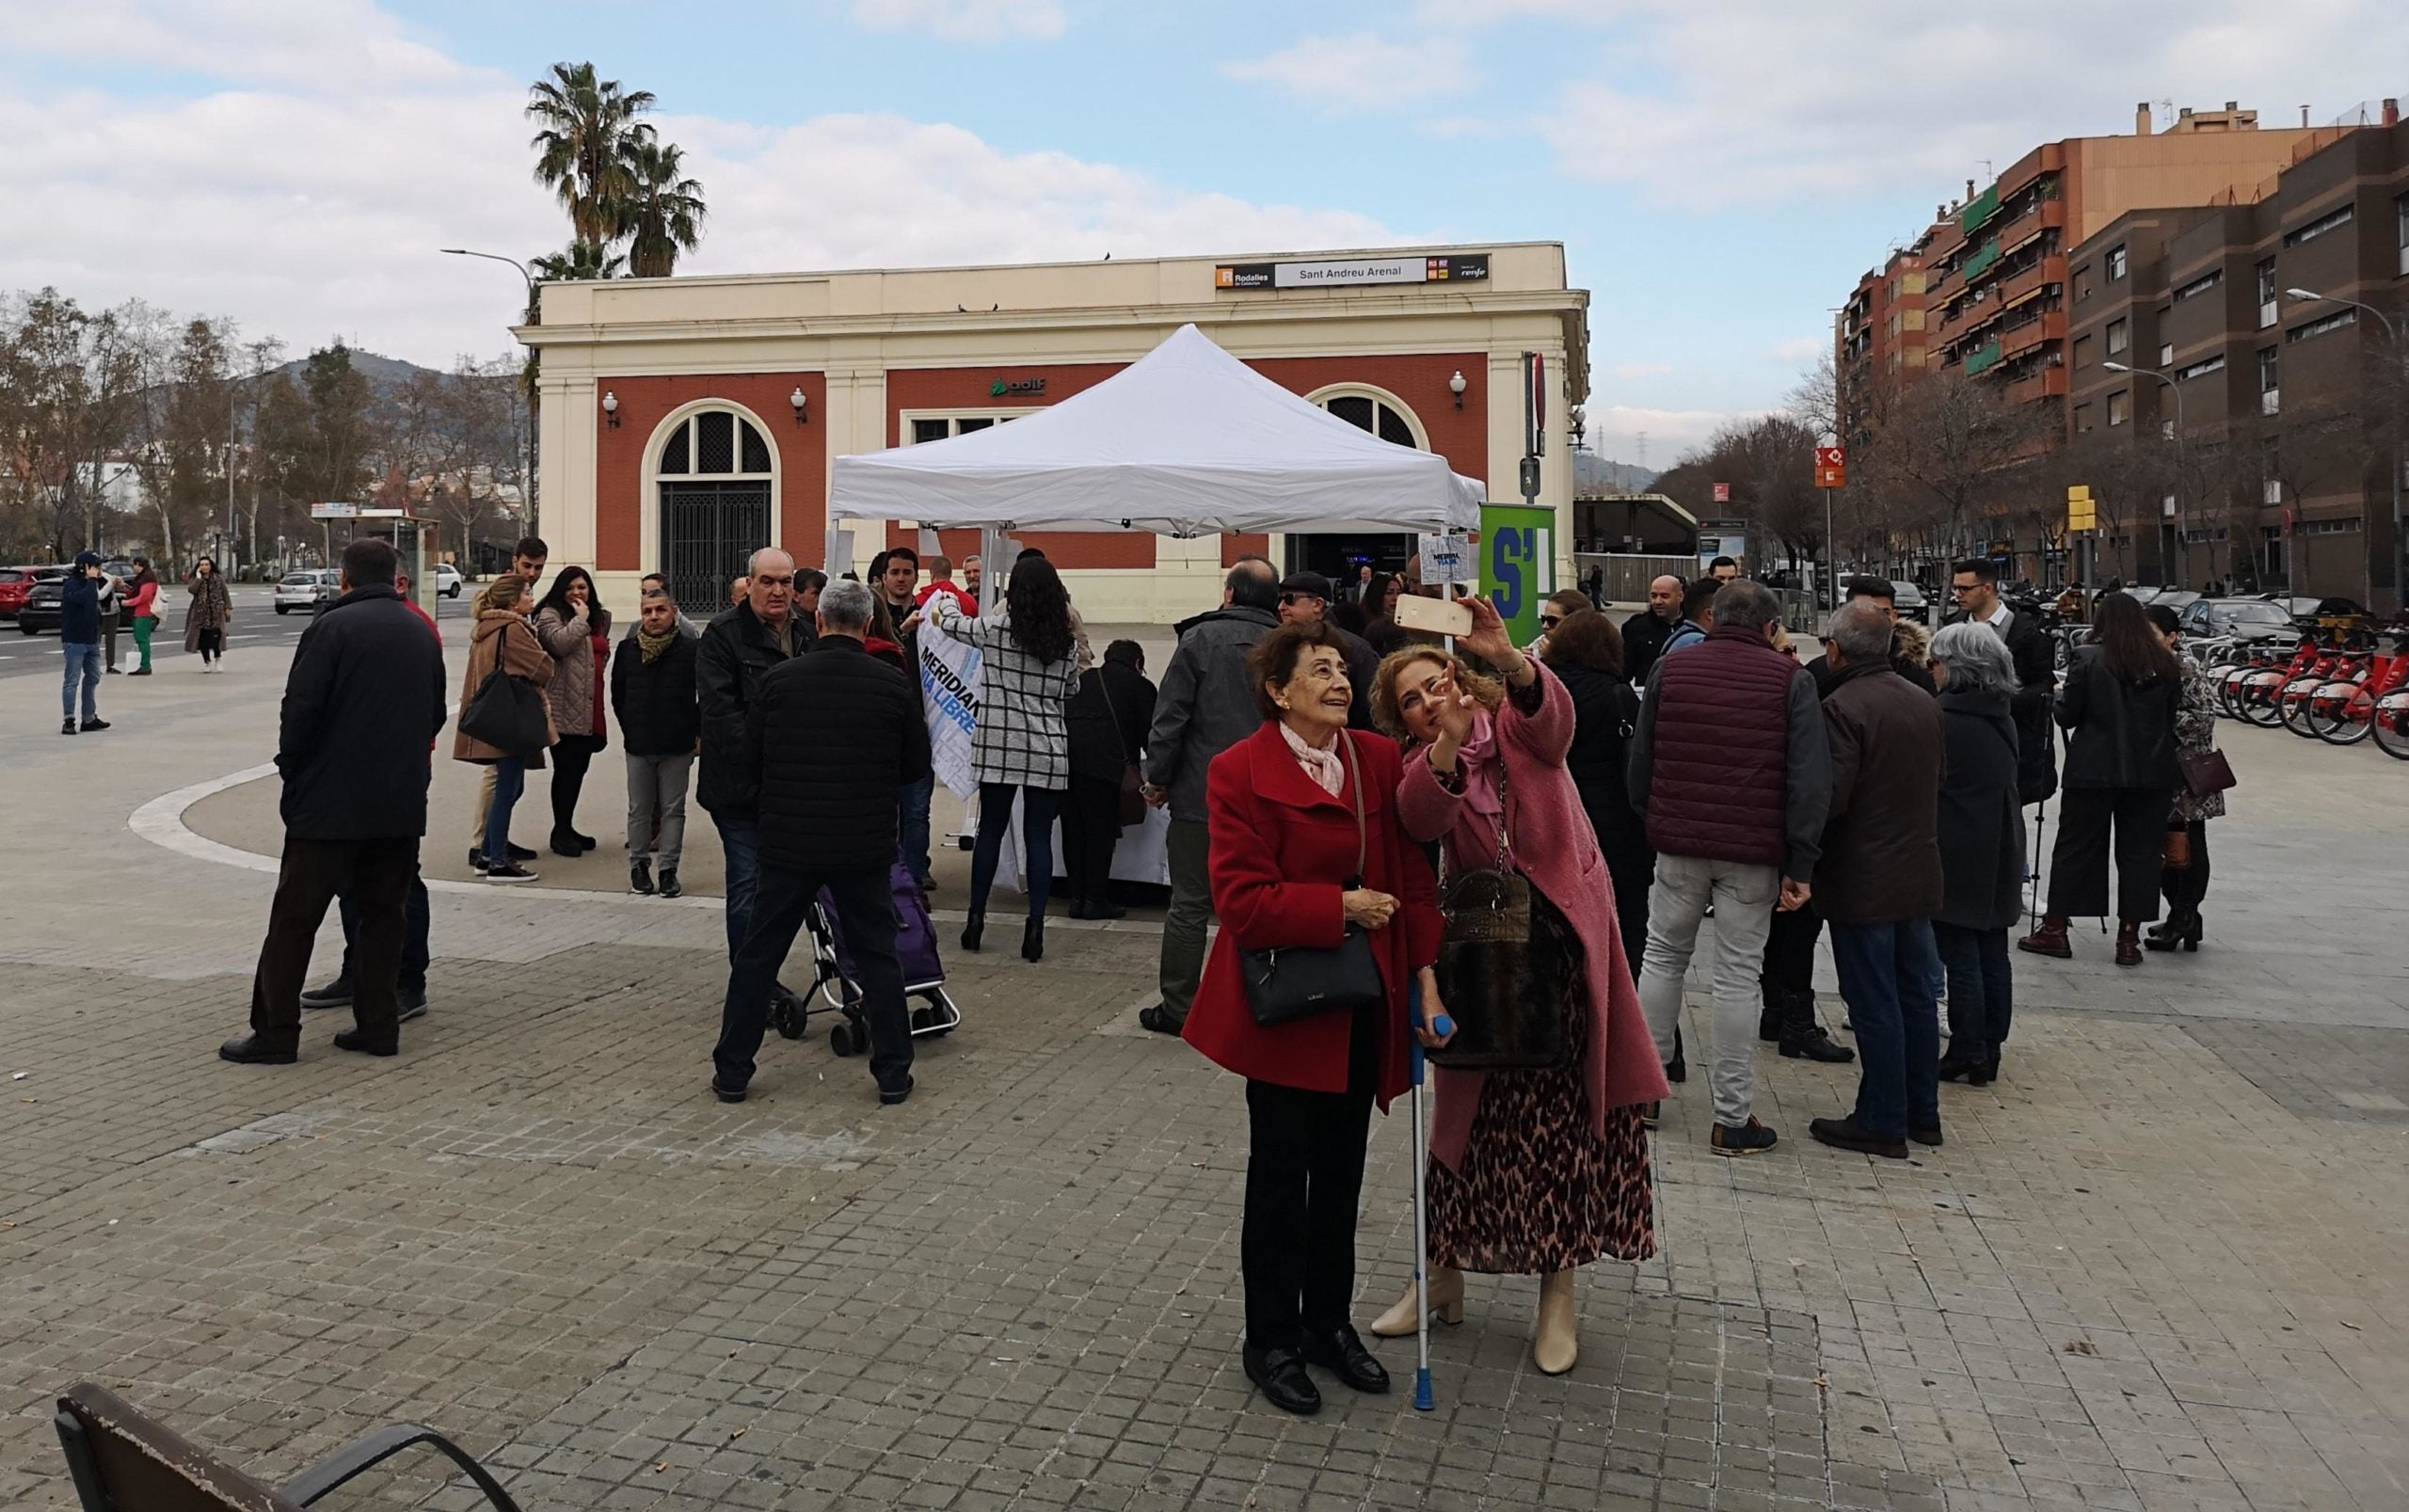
[[1362, 71], [1712, 103], [310, 207], [330, 46], [965, 21], [1799, 348]]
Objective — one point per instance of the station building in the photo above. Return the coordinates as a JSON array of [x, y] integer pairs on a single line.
[[686, 421]]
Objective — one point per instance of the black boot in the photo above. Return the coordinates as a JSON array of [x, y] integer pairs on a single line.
[[1801, 1036], [1032, 939], [974, 929], [1769, 1017], [1954, 1067], [565, 843], [640, 876]]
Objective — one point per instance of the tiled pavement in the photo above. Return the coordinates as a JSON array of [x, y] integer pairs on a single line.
[[2156, 1266]]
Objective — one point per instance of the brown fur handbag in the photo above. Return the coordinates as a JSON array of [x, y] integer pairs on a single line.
[[1497, 973]]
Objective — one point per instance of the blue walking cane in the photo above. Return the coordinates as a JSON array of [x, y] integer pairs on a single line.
[[1423, 1400]]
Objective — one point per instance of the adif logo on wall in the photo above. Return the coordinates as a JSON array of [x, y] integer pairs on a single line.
[[1010, 385]]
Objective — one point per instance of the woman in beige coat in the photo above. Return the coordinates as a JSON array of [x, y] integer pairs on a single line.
[[574, 628], [503, 639]]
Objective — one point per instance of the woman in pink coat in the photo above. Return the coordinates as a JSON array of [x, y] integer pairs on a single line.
[[1531, 1173]]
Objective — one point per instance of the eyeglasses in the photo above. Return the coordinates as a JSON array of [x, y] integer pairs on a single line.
[[1962, 587], [1551, 621]]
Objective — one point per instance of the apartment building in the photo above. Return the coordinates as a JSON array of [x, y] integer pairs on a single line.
[[1878, 336], [2289, 400]]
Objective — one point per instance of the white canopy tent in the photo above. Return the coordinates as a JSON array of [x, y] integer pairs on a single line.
[[1186, 442]]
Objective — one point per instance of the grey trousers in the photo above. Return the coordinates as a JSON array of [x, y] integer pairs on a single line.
[[1189, 850], [1744, 896], [657, 784]]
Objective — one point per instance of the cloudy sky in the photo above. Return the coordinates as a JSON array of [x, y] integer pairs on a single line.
[[1720, 170]]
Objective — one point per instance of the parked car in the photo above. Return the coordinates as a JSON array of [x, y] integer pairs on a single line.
[[447, 579], [310, 588], [42, 609], [2307, 606], [2245, 619], [1911, 601], [16, 582]]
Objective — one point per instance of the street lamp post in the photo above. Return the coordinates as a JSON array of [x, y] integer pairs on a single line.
[[2182, 547], [2400, 362], [529, 278]]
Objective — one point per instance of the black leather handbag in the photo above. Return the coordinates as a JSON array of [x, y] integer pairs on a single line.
[[507, 713], [1285, 984], [1497, 972]]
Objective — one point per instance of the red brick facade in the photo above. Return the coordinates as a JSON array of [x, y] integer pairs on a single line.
[[801, 453], [1457, 432]]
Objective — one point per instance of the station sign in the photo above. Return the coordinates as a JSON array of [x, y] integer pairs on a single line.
[[1352, 272]]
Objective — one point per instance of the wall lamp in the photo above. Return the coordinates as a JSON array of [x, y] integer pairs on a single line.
[[611, 410], [1456, 386], [800, 400]]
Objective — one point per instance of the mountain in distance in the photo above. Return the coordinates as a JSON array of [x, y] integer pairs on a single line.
[[1595, 474], [386, 376]]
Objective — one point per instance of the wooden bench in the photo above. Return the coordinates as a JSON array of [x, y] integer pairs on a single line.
[[123, 1461]]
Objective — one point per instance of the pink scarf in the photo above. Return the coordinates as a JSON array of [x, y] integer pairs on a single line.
[[1328, 769], [1475, 756]]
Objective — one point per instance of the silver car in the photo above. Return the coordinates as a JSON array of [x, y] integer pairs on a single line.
[[310, 588]]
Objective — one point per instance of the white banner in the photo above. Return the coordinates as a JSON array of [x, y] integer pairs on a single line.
[[949, 694]]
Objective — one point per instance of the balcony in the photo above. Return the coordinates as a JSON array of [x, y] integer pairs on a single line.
[[2049, 383], [2041, 216], [1978, 209], [2050, 326], [2047, 271], [1981, 262], [1982, 358]]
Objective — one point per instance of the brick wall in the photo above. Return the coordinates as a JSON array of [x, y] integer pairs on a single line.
[[802, 452]]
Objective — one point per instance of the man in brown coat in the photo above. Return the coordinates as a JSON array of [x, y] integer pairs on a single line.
[[1878, 884]]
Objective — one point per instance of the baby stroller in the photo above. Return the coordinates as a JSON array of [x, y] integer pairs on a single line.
[[834, 986]]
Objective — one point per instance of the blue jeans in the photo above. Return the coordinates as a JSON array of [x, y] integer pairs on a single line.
[[82, 666], [1037, 809], [509, 781], [740, 844], [1981, 989], [912, 803], [1886, 973]]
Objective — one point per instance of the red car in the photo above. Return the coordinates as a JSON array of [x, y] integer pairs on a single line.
[[16, 582]]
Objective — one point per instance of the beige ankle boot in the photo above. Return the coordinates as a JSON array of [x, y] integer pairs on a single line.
[[1446, 1305], [1557, 1344]]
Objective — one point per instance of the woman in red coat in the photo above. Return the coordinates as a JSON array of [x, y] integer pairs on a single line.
[[1291, 870]]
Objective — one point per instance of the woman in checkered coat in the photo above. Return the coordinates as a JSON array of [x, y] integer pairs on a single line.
[[1021, 747]]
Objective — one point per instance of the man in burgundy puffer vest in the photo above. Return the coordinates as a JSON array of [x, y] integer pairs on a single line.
[[1731, 767]]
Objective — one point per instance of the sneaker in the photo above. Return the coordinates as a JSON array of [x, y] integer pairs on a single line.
[[476, 859], [640, 877], [113, 671], [1748, 1139], [670, 886], [412, 1005], [91, 724], [358, 1041], [1158, 1019], [336, 993], [1847, 1134], [889, 1096], [67, 726], [509, 871]]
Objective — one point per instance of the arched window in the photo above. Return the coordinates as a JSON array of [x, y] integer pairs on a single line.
[[716, 476], [1376, 410]]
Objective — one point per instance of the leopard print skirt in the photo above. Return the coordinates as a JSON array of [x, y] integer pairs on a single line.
[[1538, 1191]]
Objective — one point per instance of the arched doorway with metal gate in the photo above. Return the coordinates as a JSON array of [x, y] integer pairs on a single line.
[[716, 473], [1339, 557]]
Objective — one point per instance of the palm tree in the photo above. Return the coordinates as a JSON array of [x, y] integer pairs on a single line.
[[582, 151], [664, 210]]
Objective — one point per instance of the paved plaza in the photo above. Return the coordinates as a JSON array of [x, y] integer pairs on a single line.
[[2158, 1265]]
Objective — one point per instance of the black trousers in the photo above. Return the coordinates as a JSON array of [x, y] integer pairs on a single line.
[[376, 875], [415, 922], [1304, 1181], [1091, 828], [1790, 950], [571, 754], [2184, 889], [866, 912], [2079, 861], [1633, 875]]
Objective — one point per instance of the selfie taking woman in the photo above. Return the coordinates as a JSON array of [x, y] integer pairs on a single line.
[[1540, 1170], [1311, 873]]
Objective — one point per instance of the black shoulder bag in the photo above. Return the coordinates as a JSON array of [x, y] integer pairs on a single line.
[[507, 713], [1299, 981], [1497, 972]]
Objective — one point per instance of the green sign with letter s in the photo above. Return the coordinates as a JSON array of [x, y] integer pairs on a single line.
[[1518, 564]]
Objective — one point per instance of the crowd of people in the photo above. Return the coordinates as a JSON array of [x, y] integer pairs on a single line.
[[92, 604], [1337, 789]]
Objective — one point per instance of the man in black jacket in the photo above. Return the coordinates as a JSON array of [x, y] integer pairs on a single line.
[[738, 648], [827, 821], [363, 701], [652, 692], [1644, 633], [1975, 584]]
